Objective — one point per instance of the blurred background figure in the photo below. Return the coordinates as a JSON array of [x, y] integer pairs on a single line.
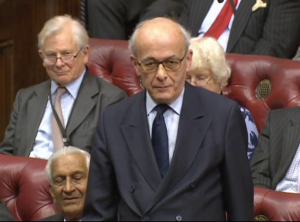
[[116, 19], [260, 27], [210, 70]]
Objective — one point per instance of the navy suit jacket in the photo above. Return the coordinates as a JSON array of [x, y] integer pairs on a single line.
[[208, 175]]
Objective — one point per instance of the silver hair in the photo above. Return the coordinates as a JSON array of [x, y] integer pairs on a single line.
[[209, 54], [57, 24], [132, 41], [62, 152]]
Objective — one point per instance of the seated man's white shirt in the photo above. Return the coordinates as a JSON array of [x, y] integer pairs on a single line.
[[290, 181], [211, 16], [43, 145], [171, 117]]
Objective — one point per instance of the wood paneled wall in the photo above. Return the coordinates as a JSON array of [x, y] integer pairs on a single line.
[[20, 65]]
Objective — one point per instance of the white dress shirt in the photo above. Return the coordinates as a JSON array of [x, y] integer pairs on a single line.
[[43, 145], [171, 117], [290, 181], [211, 16]]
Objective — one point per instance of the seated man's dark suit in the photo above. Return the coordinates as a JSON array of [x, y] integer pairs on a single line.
[[208, 174], [111, 19], [5, 215], [277, 146], [94, 95], [273, 31]]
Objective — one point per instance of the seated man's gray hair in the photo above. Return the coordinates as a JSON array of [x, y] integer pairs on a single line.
[[62, 152]]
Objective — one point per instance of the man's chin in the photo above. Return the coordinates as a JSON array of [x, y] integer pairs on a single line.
[[163, 98], [62, 82]]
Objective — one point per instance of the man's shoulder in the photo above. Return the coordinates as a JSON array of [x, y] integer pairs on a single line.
[[103, 85], [5, 215], [128, 103], [211, 99], [285, 113], [28, 91]]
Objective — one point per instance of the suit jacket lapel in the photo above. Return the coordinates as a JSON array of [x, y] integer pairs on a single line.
[[35, 112], [240, 21], [139, 143], [192, 128], [198, 9], [291, 140], [84, 102]]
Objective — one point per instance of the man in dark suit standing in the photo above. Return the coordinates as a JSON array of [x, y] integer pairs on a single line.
[[5, 215], [275, 162], [115, 19], [65, 109], [168, 153], [260, 27]]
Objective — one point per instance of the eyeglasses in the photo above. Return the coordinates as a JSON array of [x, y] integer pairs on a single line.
[[199, 80], [65, 58], [170, 64]]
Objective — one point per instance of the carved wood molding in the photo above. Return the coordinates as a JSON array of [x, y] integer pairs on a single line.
[[6, 43]]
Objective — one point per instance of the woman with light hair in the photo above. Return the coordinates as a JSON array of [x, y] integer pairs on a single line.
[[210, 70]]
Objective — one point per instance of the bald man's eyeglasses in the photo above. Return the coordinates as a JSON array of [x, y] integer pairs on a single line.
[[170, 64]]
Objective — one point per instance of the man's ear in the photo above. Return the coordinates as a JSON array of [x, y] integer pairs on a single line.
[[189, 59], [85, 52], [52, 194], [41, 55], [135, 65]]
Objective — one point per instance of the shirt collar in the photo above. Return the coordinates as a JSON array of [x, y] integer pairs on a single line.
[[66, 220], [176, 105], [73, 87]]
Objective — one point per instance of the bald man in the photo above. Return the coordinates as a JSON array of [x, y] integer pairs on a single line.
[[173, 151]]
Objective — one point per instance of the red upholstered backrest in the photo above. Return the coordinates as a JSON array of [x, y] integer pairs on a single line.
[[249, 70], [109, 59], [276, 206], [24, 188]]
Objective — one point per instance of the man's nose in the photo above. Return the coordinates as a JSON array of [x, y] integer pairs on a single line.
[[161, 73], [194, 82], [59, 62], [69, 186]]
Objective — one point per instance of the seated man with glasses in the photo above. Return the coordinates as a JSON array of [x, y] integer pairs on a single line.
[[65, 109], [210, 70], [167, 153]]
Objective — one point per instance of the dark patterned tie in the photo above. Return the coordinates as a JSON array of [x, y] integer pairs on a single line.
[[160, 141]]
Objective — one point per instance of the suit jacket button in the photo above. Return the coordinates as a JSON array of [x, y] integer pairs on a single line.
[[145, 218], [192, 185], [132, 189], [178, 218]]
